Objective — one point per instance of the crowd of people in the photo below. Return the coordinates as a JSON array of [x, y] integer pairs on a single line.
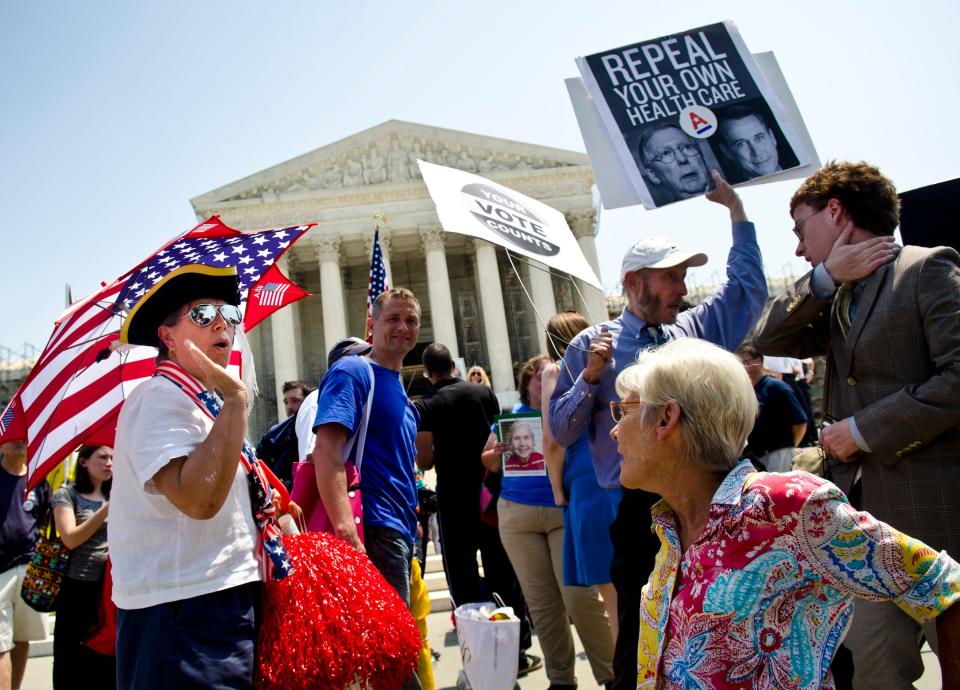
[[642, 489]]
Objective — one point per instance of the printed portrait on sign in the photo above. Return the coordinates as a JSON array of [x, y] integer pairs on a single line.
[[750, 143], [678, 106], [524, 436]]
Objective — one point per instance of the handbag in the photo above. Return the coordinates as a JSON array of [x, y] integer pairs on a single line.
[[43, 580], [489, 494], [304, 492]]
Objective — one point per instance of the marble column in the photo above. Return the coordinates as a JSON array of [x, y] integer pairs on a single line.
[[584, 227], [545, 306], [331, 291], [438, 284], [494, 320], [283, 335]]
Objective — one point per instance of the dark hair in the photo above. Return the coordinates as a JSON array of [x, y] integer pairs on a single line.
[[437, 360], [393, 293], [305, 387], [561, 329], [527, 371], [749, 349], [81, 477], [739, 112], [862, 190]]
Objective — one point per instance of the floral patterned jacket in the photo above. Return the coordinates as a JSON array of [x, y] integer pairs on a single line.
[[765, 594]]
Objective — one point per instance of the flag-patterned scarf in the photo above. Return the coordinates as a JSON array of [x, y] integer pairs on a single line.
[[273, 557]]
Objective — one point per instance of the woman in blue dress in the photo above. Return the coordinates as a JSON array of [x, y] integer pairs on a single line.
[[588, 509]]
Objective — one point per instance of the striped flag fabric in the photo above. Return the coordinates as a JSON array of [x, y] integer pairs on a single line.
[[75, 390], [378, 280], [271, 294]]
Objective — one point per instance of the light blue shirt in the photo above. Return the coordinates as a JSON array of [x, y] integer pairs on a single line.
[[724, 318]]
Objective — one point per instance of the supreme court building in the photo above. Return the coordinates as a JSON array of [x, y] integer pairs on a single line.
[[471, 297]]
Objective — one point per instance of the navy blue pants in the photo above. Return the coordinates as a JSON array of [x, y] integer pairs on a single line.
[[203, 642]]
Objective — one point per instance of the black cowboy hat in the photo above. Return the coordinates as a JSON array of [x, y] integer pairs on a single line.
[[177, 288]]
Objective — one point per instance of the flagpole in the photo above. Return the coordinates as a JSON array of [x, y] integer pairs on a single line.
[[376, 269]]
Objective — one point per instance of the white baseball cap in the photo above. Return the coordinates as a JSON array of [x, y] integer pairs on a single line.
[[658, 252]]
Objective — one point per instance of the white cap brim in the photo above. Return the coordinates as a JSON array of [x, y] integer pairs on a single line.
[[678, 258]]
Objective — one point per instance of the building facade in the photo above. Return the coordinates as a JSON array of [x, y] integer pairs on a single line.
[[473, 295]]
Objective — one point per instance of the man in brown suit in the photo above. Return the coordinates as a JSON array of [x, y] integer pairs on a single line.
[[889, 321]]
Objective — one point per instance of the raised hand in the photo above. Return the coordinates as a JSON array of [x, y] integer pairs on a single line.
[[209, 373], [600, 356], [723, 194], [847, 262]]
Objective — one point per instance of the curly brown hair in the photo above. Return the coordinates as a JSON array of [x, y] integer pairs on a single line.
[[868, 196]]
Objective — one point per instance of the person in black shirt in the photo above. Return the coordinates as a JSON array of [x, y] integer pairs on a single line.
[[782, 421], [455, 420]]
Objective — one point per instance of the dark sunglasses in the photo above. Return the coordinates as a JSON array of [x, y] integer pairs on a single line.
[[204, 314]]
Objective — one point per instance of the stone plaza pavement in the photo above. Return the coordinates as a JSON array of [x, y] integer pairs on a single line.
[[444, 640]]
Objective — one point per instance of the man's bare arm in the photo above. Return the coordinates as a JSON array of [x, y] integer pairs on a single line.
[[798, 432], [424, 443], [327, 459]]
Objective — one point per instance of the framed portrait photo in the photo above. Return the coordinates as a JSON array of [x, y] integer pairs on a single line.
[[524, 434]]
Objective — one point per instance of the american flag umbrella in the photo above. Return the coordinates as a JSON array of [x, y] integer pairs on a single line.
[[74, 392]]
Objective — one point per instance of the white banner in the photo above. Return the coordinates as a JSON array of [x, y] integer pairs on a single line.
[[472, 205]]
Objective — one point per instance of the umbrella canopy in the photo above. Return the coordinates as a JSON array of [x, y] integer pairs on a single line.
[[74, 392]]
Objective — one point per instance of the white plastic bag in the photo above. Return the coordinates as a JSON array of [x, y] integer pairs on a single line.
[[489, 649]]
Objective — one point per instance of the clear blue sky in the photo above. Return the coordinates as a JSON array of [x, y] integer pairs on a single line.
[[115, 114]]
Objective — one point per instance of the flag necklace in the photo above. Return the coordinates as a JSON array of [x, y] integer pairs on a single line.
[[271, 553]]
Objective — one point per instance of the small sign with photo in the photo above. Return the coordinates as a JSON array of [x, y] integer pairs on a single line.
[[523, 433]]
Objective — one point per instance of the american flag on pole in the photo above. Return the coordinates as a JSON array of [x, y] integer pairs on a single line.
[[378, 279], [75, 390]]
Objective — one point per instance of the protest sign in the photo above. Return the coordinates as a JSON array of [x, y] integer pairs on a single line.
[[472, 205], [672, 108]]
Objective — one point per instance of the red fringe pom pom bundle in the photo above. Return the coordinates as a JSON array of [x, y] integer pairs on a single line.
[[333, 622]]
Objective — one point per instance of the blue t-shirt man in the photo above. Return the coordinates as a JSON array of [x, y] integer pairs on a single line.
[[387, 479]]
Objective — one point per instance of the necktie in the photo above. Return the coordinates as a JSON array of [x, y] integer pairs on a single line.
[[844, 306]]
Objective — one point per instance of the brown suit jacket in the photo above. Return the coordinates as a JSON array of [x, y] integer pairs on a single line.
[[897, 373]]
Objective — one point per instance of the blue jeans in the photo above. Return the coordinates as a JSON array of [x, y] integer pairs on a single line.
[[391, 553]]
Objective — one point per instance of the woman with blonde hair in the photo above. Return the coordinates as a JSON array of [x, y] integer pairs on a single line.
[[588, 508], [476, 374], [757, 571]]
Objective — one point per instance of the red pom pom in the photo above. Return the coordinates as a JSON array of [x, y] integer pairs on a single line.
[[333, 622]]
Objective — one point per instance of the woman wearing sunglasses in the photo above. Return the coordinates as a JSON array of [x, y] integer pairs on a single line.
[[188, 496]]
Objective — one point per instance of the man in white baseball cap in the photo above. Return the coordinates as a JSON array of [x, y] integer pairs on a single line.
[[653, 274]]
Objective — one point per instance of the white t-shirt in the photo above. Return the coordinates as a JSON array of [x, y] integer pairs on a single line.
[[783, 365], [306, 415], [158, 553]]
